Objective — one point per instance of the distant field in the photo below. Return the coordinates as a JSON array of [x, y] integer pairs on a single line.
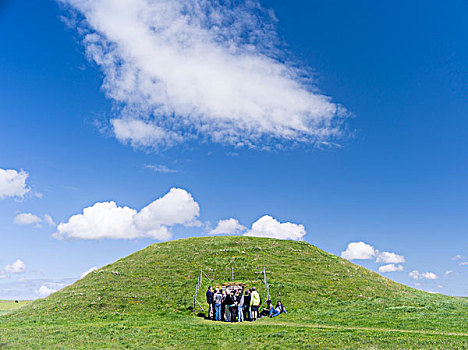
[[10, 305]]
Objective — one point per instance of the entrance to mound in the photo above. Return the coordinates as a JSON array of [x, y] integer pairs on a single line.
[[226, 286]]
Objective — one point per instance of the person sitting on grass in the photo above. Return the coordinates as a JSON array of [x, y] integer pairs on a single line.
[[279, 309], [266, 310]]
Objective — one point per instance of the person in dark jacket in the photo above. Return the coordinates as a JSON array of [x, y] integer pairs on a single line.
[[247, 305], [223, 306], [229, 306], [266, 310], [209, 300]]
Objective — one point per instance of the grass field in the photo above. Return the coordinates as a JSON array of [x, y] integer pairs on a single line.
[[11, 305], [144, 301]]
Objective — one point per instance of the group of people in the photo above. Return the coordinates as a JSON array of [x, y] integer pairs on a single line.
[[239, 306]]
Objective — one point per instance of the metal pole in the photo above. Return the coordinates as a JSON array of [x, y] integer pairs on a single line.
[[266, 283], [200, 305], [194, 304]]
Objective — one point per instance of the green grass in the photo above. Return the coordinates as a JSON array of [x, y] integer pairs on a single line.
[[11, 305], [144, 300]]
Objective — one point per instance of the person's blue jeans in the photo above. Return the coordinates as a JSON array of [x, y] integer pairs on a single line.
[[240, 313], [217, 308], [274, 312]]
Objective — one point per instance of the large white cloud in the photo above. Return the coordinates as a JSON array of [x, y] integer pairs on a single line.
[[228, 227], [107, 220], [359, 250], [16, 267], [188, 67], [390, 268], [13, 183], [267, 226], [390, 258]]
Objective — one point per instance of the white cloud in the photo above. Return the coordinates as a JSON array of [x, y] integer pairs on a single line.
[[160, 168], [463, 263], [390, 268], [31, 219], [27, 219], [48, 220], [390, 258], [94, 268], [13, 183], [227, 227], [186, 68], [267, 226], [45, 291], [140, 133], [16, 267], [3, 274], [458, 257], [416, 275], [429, 275], [359, 250], [448, 272], [107, 220]]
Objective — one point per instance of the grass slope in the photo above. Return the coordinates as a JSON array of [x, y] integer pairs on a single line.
[[144, 300]]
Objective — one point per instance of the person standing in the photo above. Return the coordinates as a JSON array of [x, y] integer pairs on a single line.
[[247, 305], [217, 300], [254, 303], [223, 306], [209, 300], [229, 301], [240, 306]]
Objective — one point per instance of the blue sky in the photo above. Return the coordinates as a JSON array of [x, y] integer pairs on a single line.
[[394, 176]]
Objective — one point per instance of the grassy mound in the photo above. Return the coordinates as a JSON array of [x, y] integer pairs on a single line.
[[323, 294]]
